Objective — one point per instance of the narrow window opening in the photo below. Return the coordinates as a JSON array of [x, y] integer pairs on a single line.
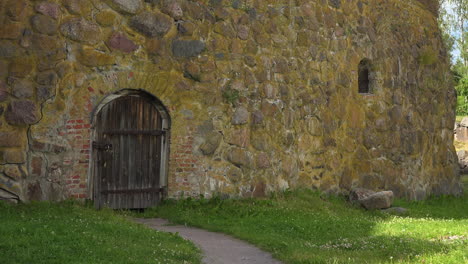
[[363, 78]]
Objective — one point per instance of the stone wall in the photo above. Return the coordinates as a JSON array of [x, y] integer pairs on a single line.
[[263, 95]]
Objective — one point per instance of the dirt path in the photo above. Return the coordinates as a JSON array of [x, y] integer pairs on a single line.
[[217, 248]]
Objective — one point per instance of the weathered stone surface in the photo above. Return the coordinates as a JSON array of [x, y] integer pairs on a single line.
[[187, 48], [173, 9], [151, 24], [81, 30], [16, 9], [3, 91], [47, 78], [257, 117], [127, 6], [234, 174], [45, 45], [44, 92], [7, 49], [14, 156], [243, 32], [241, 116], [357, 194], [21, 67], [259, 190], [10, 140], [239, 157], [3, 69], [105, 18], [120, 42], [22, 88], [212, 141], [11, 31], [12, 171], [44, 24], [277, 86], [48, 9], [379, 200], [10, 185], [335, 3], [263, 161], [240, 137], [93, 58], [77, 7], [22, 112]]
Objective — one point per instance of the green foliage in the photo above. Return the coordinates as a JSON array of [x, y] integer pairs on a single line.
[[231, 95], [70, 233], [307, 227]]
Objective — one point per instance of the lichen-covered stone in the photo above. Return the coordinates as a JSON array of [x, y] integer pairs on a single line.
[[126, 6], [44, 24], [105, 18], [120, 41], [49, 9], [234, 174], [16, 9], [241, 116], [239, 157], [22, 88], [10, 140], [3, 91], [173, 9], [335, 3], [77, 7], [379, 200], [81, 30], [21, 67], [11, 31], [7, 49], [212, 141], [240, 137], [47, 78], [93, 58], [151, 24], [187, 48], [14, 156], [21, 112], [258, 100], [262, 161]]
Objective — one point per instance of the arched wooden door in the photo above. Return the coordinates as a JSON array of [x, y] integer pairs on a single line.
[[128, 153]]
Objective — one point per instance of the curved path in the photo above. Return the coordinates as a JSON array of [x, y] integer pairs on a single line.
[[217, 248]]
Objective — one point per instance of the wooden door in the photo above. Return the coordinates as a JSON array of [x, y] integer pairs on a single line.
[[127, 153]]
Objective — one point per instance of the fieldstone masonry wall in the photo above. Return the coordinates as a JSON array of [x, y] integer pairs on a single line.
[[263, 95]]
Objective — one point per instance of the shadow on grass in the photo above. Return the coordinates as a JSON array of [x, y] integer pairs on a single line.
[[305, 227]]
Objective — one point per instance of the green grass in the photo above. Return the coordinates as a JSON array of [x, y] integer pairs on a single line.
[[306, 227], [70, 233]]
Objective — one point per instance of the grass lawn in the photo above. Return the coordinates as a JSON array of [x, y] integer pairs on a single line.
[[306, 227], [70, 233]]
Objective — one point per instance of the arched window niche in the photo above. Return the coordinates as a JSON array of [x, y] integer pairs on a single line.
[[364, 77]]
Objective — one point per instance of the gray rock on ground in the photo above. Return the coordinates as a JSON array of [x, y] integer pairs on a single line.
[[379, 200], [357, 194]]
